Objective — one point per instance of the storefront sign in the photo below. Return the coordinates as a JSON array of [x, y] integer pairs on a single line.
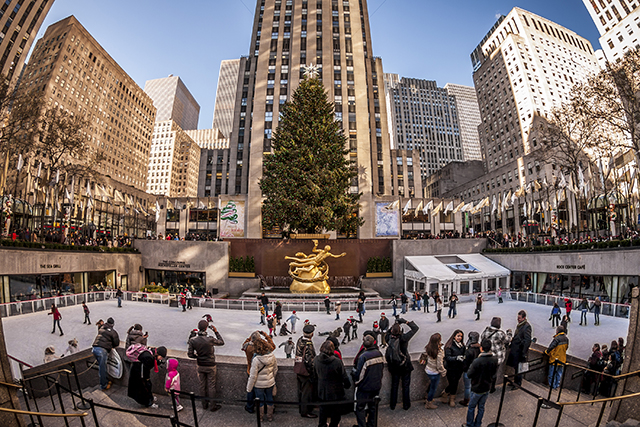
[[174, 264], [50, 266], [571, 267]]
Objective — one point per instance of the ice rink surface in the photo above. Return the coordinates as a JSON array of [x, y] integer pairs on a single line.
[[28, 335]]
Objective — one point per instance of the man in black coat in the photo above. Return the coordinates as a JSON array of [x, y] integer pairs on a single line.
[[482, 374], [401, 371], [264, 300], [201, 349], [332, 381], [106, 340], [367, 375], [327, 304], [383, 324], [306, 353], [520, 344]]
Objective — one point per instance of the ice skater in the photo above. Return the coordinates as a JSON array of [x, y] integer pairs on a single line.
[[57, 317], [86, 313], [293, 319]]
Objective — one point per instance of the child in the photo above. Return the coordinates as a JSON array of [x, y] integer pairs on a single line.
[[293, 318], [354, 328], [338, 309], [289, 345], [86, 314], [555, 315], [50, 354], [270, 324], [262, 314], [183, 302], [172, 380], [73, 347], [284, 331]]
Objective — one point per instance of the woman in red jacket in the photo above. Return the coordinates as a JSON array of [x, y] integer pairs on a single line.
[[56, 319]]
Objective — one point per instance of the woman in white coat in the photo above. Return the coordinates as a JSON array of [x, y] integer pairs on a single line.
[[262, 375]]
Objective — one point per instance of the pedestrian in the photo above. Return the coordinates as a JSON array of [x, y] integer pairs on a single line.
[[399, 361], [454, 351], [338, 310], [346, 328], [249, 351], [383, 324], [597, 304], [499, 341], [565, 324], [354, 328], [183, 301], [99, 324], [332, 382], [265, 303], [472, 351], [594, 364], [119, 296], [478, 306], [278, 312], [568, 305], [360, 308], [188, 296], [555, 315], [482, 373], [86, 313], [201, 348], [262, 315], [172, 381], [363, 297], [336, 345], [519, 349], [106, 340], [557, 352], [140, 376], [367, 373], [293, 319], [500, 301], [394, 304], [584, 309], [327, 305], [453, 301], [425, 301], [72, 348], [433, 359], [289, 346], [305, 373], [136, 336], [437, 302], [262, 375], [404, 300], [57, 317]]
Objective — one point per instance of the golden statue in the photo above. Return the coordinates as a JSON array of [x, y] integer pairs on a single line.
[[310, 272]]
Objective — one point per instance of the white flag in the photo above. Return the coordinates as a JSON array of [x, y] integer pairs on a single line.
[[406, 207], [449, 207], [57, 176], [580, 178], [427, 207], [20, 162], [39, 169], [157, 211], [418, 208], [494, 207], [88, 190], [563, 182]]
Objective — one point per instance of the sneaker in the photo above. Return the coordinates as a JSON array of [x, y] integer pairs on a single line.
[[153, 406], [179, 408]]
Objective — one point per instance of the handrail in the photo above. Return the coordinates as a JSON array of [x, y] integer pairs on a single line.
[[19, 361], [584, 368], [608, 399], [42, 414], [65, 371], [9, 385]]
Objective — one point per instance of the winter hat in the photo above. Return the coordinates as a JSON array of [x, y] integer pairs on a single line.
[[110, 321], [202, 325], [496, 322], [474, 337], [137, 327], [382, 314], [294, 312], [172, 364], [50, 350], [73, 342], [308, 329], [375, 324], [290, 339], [335, 341], [161, 351]]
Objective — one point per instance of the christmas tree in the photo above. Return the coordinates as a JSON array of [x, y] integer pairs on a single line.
[[306, 179]]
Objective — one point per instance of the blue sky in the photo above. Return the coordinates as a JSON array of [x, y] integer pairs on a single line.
[[428, 39]]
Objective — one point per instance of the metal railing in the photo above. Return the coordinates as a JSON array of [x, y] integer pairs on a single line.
[[606, 308], [16, 308]]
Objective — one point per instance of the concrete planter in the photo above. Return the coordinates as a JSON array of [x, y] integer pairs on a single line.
[[241, 274], [383, 274], [310, 236]]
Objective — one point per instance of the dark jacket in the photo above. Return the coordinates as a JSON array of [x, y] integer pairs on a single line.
[[472, 352], [368, 370], [278, 311], [404, 344], [451, 361], [107, 337], [383, 323], [482, 372], [332, 377], [201, 348], [135, 337], [305, 350], [520, 344]]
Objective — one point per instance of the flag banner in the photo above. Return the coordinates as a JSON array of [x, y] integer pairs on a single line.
[[418, 209], [458, 208], [449, 207], [427, 207], [20, 162], [232, 219], [39, 169], [387, 220], [406, 207]]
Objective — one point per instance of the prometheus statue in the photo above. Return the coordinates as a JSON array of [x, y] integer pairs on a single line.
[[310, 272]]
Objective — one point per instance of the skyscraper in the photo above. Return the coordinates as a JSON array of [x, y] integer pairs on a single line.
[[618, 22], [226, 96], [469, 119], [335, 36], [173, 101], [19, 25], [425, 119]]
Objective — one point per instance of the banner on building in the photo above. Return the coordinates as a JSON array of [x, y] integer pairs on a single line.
[[232, 219], [387, 220]]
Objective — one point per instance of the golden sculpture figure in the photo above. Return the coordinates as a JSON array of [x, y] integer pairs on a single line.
[[310, 272]]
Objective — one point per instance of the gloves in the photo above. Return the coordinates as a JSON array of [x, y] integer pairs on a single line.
[[460, 358]]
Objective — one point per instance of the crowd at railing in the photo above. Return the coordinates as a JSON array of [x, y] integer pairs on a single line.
[[499, 240], [59, 240]]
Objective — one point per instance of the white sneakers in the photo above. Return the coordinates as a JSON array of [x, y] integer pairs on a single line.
[[179, 408]]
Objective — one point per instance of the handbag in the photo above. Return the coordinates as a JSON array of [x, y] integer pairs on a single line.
[[523, 367], [299, 368]]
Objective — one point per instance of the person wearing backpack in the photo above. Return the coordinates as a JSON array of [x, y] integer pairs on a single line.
[[135, 335], [367, 373], [399, 361], [139, 388], [433, 359], [105, 341]]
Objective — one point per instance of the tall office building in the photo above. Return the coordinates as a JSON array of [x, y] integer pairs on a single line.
[[20, 23], [209, 138], [335, 36], [618, 22], [226, 96], [72, 71], [173, 101], [469, 119], [425, 119]]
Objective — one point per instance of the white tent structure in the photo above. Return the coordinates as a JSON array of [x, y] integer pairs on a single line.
[[461, 273]]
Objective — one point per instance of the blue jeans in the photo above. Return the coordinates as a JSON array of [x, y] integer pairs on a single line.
[[467, 386], [395, 307], [404, 308], [265, 395], [555, 375], [419, 304], [434, 380], [476, 400], [101, 355], [452, 309], [119, 301]]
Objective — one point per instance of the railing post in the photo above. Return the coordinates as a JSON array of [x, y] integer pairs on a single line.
[[256, 407], [552, 378], [559, 416], [25, 394], [66, 419], [538, 406], [564, 373], [93, 412], [504, 389], [192, 396], [376, 405], [604, 405]]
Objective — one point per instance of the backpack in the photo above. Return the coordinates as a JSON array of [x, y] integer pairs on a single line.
[[394, 354], [134, 350]]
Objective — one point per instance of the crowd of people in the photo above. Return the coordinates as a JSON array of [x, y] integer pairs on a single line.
[[73, 238]]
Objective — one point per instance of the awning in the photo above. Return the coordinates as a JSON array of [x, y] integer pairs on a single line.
[[447, 268]]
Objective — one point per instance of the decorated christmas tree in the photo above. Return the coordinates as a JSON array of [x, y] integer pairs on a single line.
[[306, 179]]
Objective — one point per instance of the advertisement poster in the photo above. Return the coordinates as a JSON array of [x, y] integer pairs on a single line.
[[232, 219], [387, 220]]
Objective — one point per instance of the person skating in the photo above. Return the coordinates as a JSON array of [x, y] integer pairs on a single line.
[[338, 310], [293, 319], [568, 305], [271, 324], [584, 309], [425, 301], [401, 369], [278, 312], [119, 296], [201, 348], [437, 307], [478, 306], [57, 317], [360, 309], [305, 354], [262, 315], [555, 315], [404, 300], [367, 373], [354, 328], [327, 305], [596, 306], [106, 340], [453, 301], [86, 313], [284, 331], [265, 303], [346, 328], [482, 374], [188, 296], [394, 304], [289, 346]]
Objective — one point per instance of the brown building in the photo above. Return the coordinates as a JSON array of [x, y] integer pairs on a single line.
[[451, 177]]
